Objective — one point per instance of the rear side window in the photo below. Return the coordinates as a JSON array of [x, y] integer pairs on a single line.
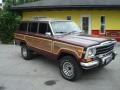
[[23, 26], [33, 27]]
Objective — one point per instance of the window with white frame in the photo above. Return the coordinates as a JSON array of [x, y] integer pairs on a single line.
[[103, 24], [69, 17]]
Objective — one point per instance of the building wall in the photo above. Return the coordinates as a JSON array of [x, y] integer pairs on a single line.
[[112, 19]]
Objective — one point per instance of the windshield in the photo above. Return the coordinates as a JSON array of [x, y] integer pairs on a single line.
[[64, 27]]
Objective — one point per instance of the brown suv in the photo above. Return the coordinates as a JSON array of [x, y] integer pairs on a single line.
[[62, 40]]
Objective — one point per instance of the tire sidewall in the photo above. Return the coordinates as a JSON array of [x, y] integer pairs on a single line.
[[77, 71], [29, 53], [22, 48], [61, 70]]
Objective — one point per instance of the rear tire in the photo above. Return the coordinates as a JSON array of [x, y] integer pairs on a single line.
[[26, 52], [69, 68]]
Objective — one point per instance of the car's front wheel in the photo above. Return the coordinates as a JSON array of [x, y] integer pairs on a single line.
[[26, 52], [69, 68]]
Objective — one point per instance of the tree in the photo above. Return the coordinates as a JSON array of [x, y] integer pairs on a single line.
[[8, 23], [9, 20], [15, 2]]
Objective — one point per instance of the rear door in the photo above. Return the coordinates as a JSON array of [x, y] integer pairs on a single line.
[[31, 35], [40, 36]]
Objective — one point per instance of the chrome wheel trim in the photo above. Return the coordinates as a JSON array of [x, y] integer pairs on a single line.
[[24, 52], [68, 69]]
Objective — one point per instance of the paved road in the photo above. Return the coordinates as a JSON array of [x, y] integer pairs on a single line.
[[42, 74]]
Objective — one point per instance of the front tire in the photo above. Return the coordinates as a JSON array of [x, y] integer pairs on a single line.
[[69, 68], [26, 52]]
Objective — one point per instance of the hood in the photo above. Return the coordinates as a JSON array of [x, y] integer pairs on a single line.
[[81, 40]]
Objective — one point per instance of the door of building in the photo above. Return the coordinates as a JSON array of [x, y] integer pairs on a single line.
[[85, 24]]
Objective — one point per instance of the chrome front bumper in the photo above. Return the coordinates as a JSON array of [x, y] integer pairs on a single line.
[[98, 61], [89, 65]]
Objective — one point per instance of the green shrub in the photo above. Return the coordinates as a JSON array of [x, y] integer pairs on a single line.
[[8, 23]]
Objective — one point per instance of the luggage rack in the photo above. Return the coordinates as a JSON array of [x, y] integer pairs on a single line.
[[38, 18], [45, 18]]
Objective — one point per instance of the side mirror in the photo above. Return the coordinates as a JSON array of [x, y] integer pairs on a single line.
[[48, 33], [83, 31]]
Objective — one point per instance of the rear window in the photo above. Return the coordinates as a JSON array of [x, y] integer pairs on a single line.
[[23, 26], [33, 27]]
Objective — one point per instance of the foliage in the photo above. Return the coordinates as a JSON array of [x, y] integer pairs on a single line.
[[16, 2], [8, 24], [8, 4], [9, 20]]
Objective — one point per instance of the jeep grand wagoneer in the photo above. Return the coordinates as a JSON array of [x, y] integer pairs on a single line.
[[62, 40]]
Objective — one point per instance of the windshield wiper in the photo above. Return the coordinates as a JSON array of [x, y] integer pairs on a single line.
[[67, 33], [61, 32], [72, 32]]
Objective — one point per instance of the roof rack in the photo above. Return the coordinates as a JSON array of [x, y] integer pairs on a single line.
[[43, 18], [38, 17]]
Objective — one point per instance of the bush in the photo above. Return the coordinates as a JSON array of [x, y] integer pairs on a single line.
[[8, 23]]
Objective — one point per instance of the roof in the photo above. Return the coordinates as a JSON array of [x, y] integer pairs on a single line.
[[46, 4]]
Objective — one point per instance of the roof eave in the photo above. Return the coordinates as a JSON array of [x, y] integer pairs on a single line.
[[67, 7]]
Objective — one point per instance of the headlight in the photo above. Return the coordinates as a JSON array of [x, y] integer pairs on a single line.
[[115, 47], [90, 52]]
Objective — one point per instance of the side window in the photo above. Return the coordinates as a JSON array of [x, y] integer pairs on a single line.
[[44, 28], [33, 27], [23, 26]]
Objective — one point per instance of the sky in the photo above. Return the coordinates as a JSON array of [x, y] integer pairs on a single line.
[[0, 1]]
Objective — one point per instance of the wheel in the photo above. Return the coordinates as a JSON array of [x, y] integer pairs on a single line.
[[69, 68], [26, 52]]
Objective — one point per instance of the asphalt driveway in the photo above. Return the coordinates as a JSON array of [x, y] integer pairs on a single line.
[[43, 74]]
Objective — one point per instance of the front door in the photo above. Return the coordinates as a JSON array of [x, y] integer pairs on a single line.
[[85, 24]]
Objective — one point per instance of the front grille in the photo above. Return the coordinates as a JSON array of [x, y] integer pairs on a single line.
[[104, 49]]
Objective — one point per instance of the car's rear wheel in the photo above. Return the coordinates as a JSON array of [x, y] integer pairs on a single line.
[[26, 52], [69, 68]]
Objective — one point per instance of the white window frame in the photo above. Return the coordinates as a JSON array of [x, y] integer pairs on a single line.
[[102, 24], [81, 19], [68, 16]]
